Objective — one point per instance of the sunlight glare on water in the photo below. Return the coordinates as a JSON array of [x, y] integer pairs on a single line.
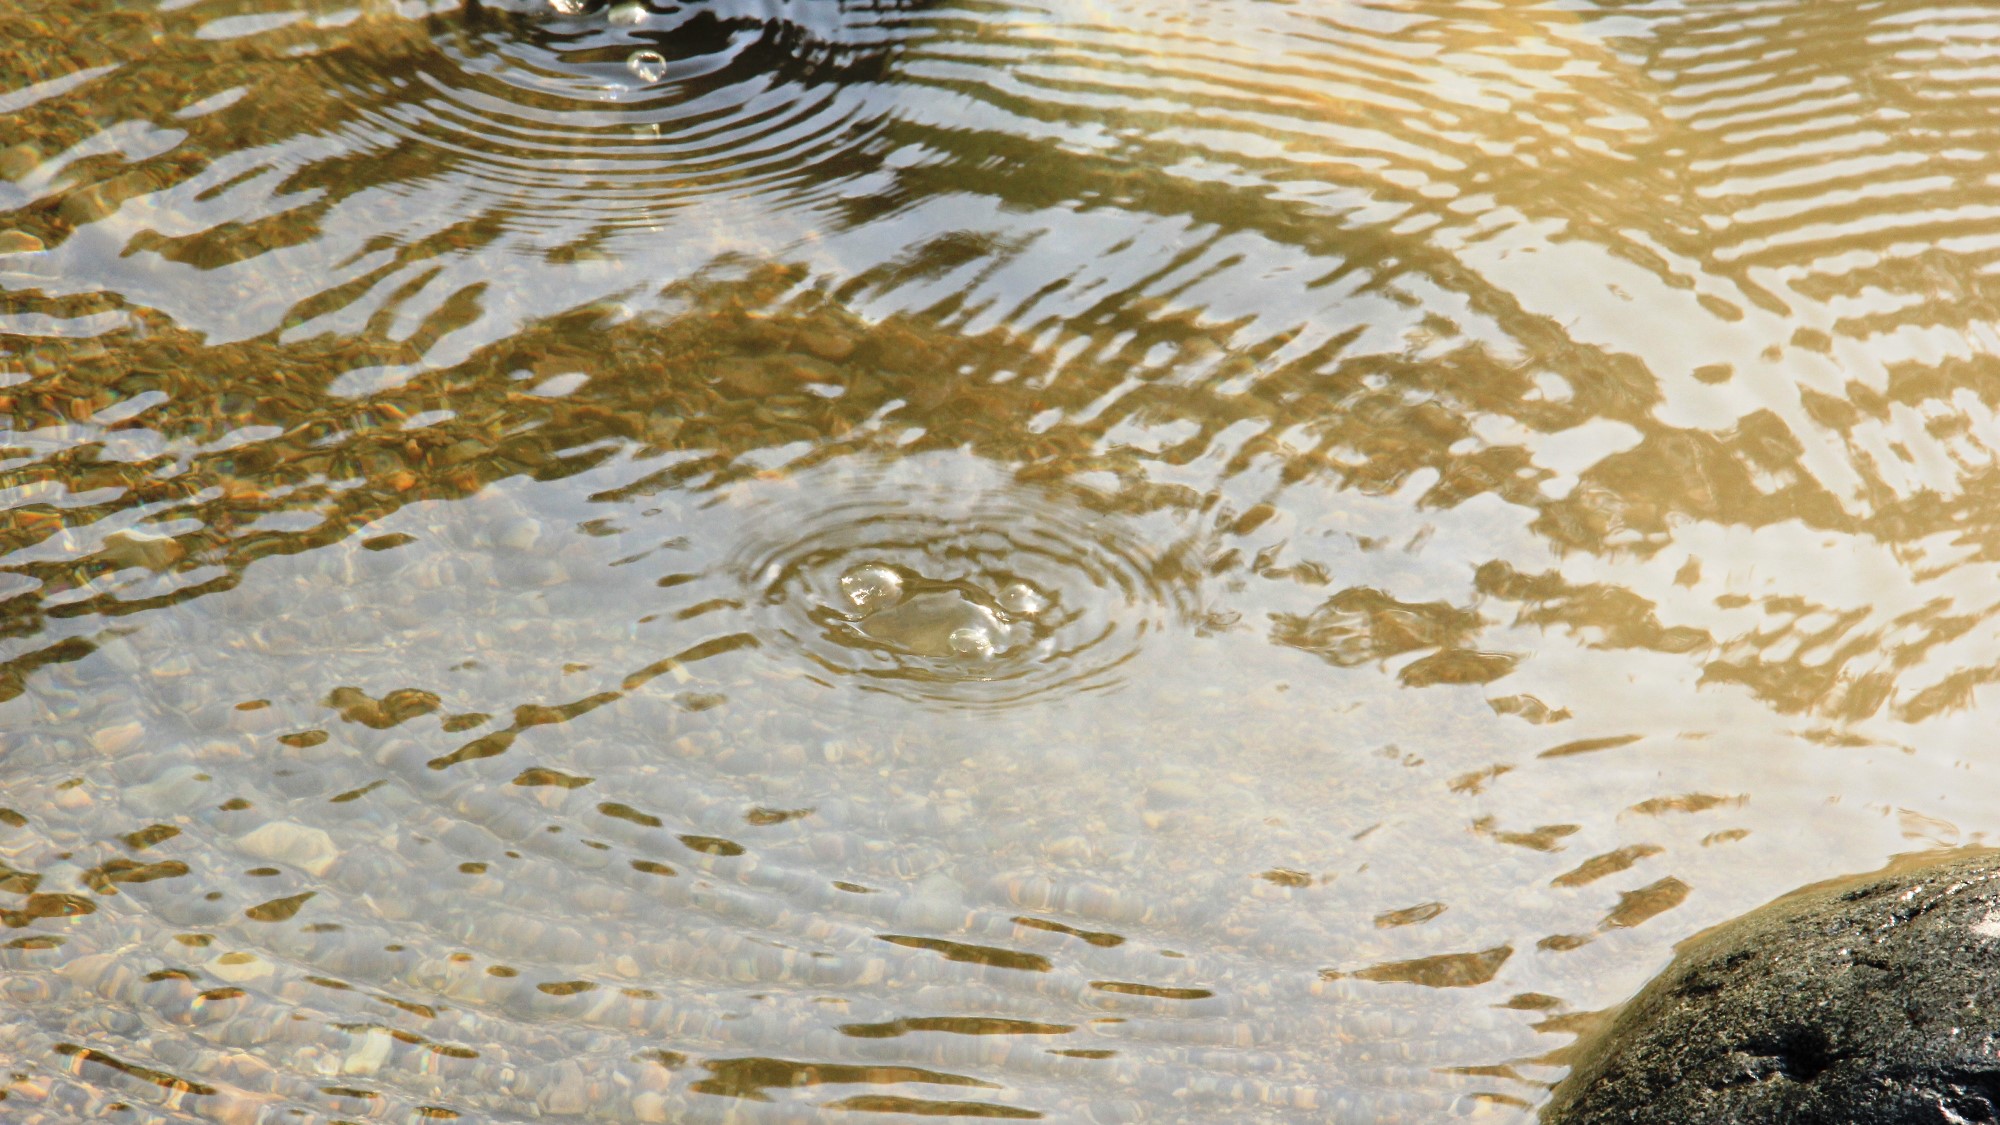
[[772, 560]]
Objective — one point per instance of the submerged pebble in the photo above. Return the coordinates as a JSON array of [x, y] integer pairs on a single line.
[[175, 790], [283, 841]]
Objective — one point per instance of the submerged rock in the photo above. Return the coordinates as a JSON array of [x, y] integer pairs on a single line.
[[1866, 1000]]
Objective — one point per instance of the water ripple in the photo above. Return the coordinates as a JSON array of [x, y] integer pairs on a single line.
[[1117, 561], [620, 117], [938, 578]]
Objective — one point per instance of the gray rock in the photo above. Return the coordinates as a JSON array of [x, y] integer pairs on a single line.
[[1867, 1000]]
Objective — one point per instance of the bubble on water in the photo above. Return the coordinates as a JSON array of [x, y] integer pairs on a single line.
[[630, 13], [647, 66], [871, 586], [971, 640], [945, 580], [568, 7], [1022, 600]]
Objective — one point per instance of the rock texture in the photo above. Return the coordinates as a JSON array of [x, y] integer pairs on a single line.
[[1869, 1000]]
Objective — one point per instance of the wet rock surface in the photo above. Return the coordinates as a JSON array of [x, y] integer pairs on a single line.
[[1866, 1000]]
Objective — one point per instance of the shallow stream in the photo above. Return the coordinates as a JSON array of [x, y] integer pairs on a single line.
[[800, 560]]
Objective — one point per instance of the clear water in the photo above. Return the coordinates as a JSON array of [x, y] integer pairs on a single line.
[[816, 560]]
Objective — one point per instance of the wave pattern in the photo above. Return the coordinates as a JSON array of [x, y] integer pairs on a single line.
[[1113, 562]]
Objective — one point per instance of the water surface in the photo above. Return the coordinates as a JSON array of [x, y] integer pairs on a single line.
[[814, 559]]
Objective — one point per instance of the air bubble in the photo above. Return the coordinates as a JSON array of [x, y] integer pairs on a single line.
[[943, 579], [631, 13], [971, 641], [568, 7], [647, 66], [871, 586], [1022, 600]]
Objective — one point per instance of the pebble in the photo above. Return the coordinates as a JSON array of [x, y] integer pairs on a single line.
[[516, 534], [238, 967], [117, 739], [146, 549], [282, 841], [16, 161], [748, 378], [96, 201], [1174, 793], [119, 653], [175, 791], [826, 343], [569, 1094], [938, 904], [367, 1056]]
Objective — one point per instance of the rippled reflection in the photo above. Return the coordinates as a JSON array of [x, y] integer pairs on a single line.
[[737, 560]]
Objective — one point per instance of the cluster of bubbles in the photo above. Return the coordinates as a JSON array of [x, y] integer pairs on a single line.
[[581, 117], [943, 580], [646, 65], [930, 616]]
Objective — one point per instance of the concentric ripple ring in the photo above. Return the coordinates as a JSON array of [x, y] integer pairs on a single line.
[[618, 114], [939, 579]]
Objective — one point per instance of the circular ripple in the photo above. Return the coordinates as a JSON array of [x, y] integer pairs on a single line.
[[940, 579], [622, 111]]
